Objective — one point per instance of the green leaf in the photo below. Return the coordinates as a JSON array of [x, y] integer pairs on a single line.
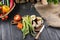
[[56, 1], [49, 1]]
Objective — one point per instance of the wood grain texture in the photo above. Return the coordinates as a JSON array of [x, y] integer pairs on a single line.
[[10, 32]]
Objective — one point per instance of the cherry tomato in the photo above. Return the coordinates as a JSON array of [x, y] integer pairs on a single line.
[[20, 26], [17, 17], [3, 19]]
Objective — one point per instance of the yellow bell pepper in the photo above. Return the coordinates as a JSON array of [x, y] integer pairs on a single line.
[[5, 9]]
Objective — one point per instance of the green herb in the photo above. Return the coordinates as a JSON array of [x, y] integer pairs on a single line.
[[53, 1], [49, 1]]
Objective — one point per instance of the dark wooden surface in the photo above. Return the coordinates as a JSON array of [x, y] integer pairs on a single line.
[[10, 32]]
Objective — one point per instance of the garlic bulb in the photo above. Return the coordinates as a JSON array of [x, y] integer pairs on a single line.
[[39, 18], [34, 24], [39, 24], [39, 21]]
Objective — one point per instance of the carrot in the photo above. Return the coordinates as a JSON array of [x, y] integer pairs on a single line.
[[19, 25]]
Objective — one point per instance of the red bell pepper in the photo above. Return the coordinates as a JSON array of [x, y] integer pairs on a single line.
[[11, 3]]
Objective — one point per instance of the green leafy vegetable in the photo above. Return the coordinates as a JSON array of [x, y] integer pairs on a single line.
[[53, 1], [27, 26], [49, 1]]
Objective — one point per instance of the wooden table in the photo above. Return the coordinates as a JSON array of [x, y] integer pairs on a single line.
[[10, 32]]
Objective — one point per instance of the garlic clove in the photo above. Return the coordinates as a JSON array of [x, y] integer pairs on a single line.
[[34, 24], [39, 18], [39, 23], [33, 17]]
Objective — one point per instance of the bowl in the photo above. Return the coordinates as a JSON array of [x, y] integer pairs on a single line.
[[8, 12]]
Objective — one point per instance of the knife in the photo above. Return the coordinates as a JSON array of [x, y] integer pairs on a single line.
[[37, 36]]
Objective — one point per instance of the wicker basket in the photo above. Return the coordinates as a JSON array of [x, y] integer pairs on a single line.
[[7, 12]]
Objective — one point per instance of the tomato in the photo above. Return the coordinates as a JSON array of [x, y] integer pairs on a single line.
[[6, 17], [17, 17], [3, 19], [20, 26], [5, 9]]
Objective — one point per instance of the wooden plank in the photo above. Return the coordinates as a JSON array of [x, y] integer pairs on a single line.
[[10, 32], [15, 33], [5, 31], [0, 31]]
